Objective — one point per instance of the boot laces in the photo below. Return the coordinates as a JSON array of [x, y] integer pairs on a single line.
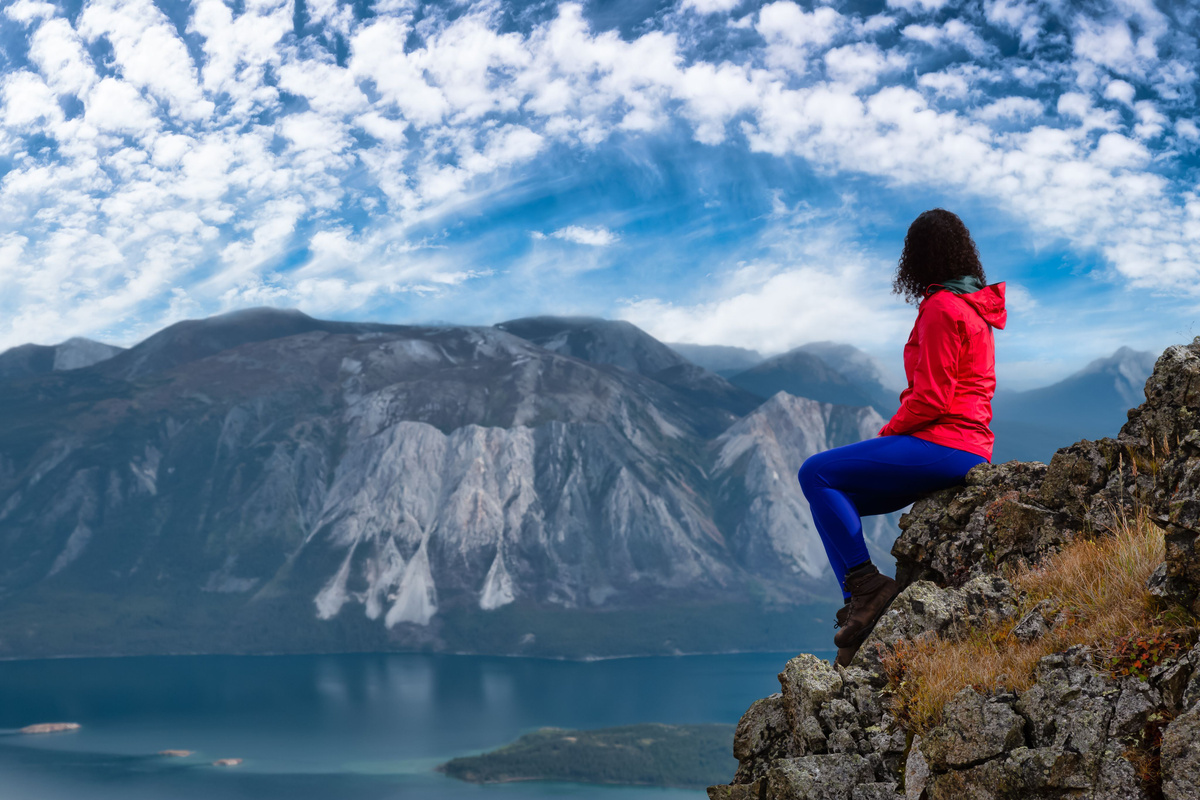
[[849, 611]]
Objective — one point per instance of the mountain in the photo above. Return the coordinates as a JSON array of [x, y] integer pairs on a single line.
[[599, 341], [622, 344], [194, 339], [35, 359], [1089, 404], [862, 370], [805, 373], [724, 360], [263, 481]]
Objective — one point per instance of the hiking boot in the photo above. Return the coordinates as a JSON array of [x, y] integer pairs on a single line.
[[844, 654], [841, 615], [871, 592]]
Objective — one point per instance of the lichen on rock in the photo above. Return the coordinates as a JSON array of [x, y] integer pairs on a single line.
[[1080, 730]]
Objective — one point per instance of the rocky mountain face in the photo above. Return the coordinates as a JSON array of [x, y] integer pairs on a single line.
[[724, 360], [266, 481], [802, 374], [830, 733]]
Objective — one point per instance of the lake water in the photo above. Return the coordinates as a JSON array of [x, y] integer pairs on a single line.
[[337, 727]]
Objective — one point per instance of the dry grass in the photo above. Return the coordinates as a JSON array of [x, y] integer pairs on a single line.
[[1097, 591]]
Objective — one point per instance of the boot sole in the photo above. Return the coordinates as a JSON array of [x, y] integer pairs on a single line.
[[857, 643]]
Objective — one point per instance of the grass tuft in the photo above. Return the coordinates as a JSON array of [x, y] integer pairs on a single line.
[[1093, 592]]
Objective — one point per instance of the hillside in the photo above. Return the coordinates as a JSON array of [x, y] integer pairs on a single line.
[[1114, 715], [263, 481]]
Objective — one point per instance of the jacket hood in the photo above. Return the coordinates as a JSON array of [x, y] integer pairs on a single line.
[[989, 303]]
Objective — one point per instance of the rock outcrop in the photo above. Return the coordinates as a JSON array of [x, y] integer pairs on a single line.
[[1080, 730]]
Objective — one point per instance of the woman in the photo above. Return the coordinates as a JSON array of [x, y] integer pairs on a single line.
[[939, 432]]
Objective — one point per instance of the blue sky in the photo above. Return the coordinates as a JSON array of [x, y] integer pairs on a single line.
[[715, 171]]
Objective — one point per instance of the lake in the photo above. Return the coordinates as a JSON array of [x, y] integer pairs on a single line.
[[337, 727]]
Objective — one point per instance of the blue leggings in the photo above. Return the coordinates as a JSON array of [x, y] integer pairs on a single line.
[[874, 476]]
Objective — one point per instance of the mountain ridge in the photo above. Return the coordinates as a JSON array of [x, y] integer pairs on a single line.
[[394, 487]]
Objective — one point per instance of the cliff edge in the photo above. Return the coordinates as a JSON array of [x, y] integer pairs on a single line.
[[1117, 718]]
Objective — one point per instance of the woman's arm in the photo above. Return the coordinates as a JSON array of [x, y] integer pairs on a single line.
[[939, 343]]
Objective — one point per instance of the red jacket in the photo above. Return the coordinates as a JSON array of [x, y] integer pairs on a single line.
[[950, 363]]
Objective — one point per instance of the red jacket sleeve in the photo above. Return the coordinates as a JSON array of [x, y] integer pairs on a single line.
[[940, 343]]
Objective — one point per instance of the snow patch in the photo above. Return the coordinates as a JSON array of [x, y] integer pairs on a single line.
[[333, 596], [223, 580], [383, 574], [74, 548], [79, 352], [663, 425], [416, 351], [497, 586], [147, 471], [59, 450], [416, 599]]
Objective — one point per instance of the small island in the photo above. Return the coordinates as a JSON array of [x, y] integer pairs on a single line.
[[50, 727], [685, 756]]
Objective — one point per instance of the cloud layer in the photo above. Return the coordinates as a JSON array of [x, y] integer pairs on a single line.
[[167, 161]]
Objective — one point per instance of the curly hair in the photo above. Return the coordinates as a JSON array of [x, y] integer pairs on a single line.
[[937, 247]]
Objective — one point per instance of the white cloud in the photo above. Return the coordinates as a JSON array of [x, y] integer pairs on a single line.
[[1120, 91], [1012, 108], [29, 10], [598, 236], [1151, 121], [813, 282], [918, 6], [710, 6], [240, 53], [116, 106], [952, 84], [1023, 18], [28, 100], [148, 52], [329, 89], [209, 156], [861, 65], [792, 34], [57, 51], [1018, 299], [1188, 130], [954, 33]]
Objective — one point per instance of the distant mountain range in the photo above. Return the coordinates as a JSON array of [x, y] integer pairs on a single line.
[[1029, 425], [1089, 404], [263, 481], [36, 359]]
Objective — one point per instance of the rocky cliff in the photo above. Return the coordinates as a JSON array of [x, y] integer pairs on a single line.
[[267, 481], [1079, 728]]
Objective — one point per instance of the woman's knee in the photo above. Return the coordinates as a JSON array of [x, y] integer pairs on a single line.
[[810, 472]]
